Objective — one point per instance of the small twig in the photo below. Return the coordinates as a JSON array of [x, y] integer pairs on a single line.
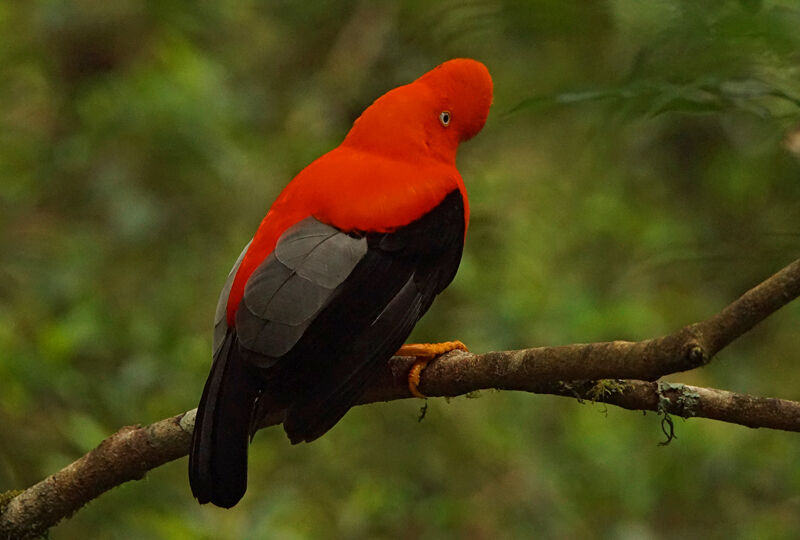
[[668, 428], [423, 411]]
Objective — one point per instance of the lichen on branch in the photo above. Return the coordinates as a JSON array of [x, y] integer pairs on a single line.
[[620, 373]]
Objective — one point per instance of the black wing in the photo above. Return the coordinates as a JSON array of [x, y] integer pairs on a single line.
[[364, 320], [281, 298], [289, 289], [319, 316]]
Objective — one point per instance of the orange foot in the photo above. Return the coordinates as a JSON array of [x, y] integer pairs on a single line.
[[425, 352]]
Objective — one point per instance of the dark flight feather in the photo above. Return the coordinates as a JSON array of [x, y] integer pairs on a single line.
[[218, 459], [370, 316], [318, 318]]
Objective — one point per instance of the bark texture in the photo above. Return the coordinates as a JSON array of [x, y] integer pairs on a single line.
[[621, 373]]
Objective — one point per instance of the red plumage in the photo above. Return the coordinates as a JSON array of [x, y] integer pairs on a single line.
[[347, 259], [389, 170]]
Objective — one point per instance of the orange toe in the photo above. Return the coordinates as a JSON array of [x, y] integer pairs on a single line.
[[430, 350], [425, 352], [413, 376]]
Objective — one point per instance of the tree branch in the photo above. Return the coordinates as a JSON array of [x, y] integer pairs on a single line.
[[619, 372]]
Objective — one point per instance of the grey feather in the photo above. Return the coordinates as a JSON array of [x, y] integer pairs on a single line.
[[220, 323], [300, 239], [293, 284], [332, 260], [270, 339], [320, 253], [264, 283], [297, 301], [291, 301], [277, 293]]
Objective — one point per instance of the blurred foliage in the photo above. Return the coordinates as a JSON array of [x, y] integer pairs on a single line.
[[632, 178]]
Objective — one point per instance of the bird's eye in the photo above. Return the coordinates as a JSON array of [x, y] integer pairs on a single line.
[[444, 118]]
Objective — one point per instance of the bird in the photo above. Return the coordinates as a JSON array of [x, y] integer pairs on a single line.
[[347, 259]]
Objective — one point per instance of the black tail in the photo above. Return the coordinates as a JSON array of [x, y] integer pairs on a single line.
[[218, 457]]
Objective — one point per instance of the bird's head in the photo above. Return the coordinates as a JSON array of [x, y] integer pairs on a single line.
[[430, 116]]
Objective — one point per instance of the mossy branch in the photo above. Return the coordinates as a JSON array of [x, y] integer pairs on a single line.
[[579, 371]]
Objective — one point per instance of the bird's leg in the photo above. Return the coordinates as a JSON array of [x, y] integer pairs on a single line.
[[424, 353]]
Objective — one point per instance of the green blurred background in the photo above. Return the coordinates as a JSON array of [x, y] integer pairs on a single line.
[[634, 176]]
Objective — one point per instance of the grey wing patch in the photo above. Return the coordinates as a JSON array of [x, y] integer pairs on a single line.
[[320, 253], [269, 338], [220, 323], [291, 299], [300, 239], [293, 284]]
